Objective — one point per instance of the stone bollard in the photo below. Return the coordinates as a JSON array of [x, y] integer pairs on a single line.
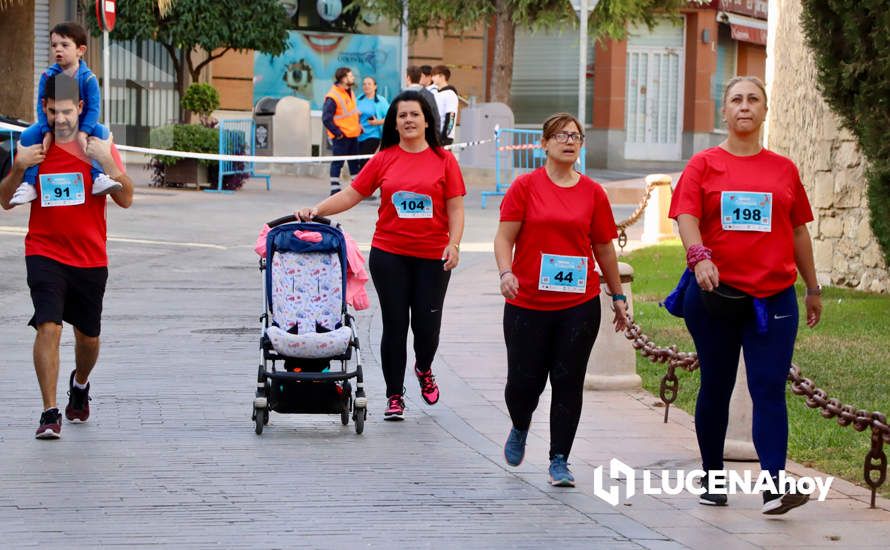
[[613, 362], [657, 226], [739, 443]]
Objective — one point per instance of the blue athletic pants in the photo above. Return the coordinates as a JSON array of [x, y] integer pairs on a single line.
[[767, 360]]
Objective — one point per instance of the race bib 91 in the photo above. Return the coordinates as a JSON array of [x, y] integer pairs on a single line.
[[412, 205], [61, 189], [745, 211], [563, 273]]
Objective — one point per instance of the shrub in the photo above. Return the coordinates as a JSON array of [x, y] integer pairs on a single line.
[[850, 41], [202, 99], [190, 138]]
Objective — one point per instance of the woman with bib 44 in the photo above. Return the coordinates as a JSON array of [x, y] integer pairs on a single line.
[[416, 243], [742, 213], [554, 222]]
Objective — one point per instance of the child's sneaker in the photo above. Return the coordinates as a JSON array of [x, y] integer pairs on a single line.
[[104, 185], [395, 408], [50, 425], [24, 194], [429, 390]]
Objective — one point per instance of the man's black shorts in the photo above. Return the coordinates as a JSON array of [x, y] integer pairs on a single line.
[[64, 293]]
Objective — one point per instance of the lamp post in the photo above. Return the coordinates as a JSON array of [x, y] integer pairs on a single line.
[[583, 9]]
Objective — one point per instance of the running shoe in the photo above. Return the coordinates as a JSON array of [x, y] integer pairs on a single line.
[[514, 448], [78, 409], [50, 425], [560, 476], [429, 390], [709, 498], [24, 194], [775, 504], [395, 408], [103, 185]]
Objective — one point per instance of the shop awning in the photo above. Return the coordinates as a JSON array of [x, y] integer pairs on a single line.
[[746, 29]]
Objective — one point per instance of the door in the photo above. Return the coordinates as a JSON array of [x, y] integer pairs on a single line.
[[654, 108]]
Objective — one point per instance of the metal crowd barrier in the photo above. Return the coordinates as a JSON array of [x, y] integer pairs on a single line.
[[238, 137]]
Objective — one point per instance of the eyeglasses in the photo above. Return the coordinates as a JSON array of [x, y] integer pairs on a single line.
[[568, 137]]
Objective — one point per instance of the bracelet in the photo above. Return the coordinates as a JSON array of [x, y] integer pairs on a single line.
[[815, 291], [697, 253], [502, 273], [616, 297]]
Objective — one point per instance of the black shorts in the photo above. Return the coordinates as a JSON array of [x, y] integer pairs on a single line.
[[64, 293]]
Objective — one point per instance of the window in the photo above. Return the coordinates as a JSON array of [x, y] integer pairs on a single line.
[[727, 55]]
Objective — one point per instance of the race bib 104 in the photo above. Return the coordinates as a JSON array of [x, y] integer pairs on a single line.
[[412, 205], [746, 211], [61, 189]]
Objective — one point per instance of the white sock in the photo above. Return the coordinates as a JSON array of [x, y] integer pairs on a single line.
[[80, 386]]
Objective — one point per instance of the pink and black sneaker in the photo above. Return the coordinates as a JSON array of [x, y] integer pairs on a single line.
[[395, 408], [78, 409], [429, 390], [50, 425]]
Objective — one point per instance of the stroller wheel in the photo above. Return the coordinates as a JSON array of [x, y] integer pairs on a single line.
[[260, 419], [359, 421], [344, 417]]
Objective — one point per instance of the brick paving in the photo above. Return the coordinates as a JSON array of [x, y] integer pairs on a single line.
[[169, 457]]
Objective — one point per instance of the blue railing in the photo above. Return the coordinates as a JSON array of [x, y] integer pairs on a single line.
[[238, 137]]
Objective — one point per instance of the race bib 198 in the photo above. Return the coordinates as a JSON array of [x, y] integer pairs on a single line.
[[412, 205], [61, 189], [746, 211], [563, 273]]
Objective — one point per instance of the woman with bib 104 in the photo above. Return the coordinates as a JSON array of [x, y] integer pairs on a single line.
[[554, 222], [742, 213], [416, 243]]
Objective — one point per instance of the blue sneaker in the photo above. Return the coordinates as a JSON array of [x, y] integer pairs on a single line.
[[560, 476], [514, 448]]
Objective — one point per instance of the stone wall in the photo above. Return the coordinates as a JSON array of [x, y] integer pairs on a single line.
[[803, 127]]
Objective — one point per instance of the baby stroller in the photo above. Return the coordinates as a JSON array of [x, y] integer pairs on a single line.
[[308, 336]]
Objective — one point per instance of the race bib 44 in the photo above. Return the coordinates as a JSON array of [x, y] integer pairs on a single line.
[[563, 273]]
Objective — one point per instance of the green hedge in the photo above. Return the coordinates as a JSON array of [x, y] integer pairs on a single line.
[[191, 138], [851, 43]]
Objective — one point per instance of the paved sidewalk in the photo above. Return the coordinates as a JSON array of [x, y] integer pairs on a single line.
[[170, 458]]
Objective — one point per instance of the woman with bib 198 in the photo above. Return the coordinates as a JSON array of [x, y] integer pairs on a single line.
[[554, 222], [742, 213]]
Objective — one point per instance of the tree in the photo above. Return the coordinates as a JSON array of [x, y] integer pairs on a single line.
[[215, 26], [852, 53], [609, 19]]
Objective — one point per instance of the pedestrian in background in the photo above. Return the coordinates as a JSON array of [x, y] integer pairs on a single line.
[[554, 223], [340, 117], [372, 108]]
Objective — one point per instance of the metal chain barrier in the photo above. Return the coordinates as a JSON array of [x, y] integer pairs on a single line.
[[875, 468], [635, 216]]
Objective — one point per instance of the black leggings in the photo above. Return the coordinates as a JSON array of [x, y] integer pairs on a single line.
[[411, 292], [554, 343]]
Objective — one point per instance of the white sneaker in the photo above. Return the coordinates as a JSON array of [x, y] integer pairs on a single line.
[[103, 185], [24, 194]]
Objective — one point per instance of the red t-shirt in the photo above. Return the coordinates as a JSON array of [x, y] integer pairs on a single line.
[[760, 263], [564, 221], [407, 223], [74, 234]]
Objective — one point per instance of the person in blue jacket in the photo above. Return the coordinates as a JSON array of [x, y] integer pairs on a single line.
[[372, 107], [68, 42]]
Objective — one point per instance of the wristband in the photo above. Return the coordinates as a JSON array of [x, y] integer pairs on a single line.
[[697, 253], [502, 273], [815, 291], [616, 297]]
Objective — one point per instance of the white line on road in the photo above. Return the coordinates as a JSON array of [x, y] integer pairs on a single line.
[[13, 230]]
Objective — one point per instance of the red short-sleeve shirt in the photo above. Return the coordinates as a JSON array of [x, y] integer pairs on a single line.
[[564, 221], [760, 263], [75, 234], [404, 177]]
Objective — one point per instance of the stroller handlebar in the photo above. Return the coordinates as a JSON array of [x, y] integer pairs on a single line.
[[291, 218]]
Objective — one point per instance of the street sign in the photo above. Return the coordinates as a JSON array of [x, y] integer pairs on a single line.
[[106, 14]]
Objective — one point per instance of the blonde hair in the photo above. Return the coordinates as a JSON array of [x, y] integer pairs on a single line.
[[736, 79], [555, 122]]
